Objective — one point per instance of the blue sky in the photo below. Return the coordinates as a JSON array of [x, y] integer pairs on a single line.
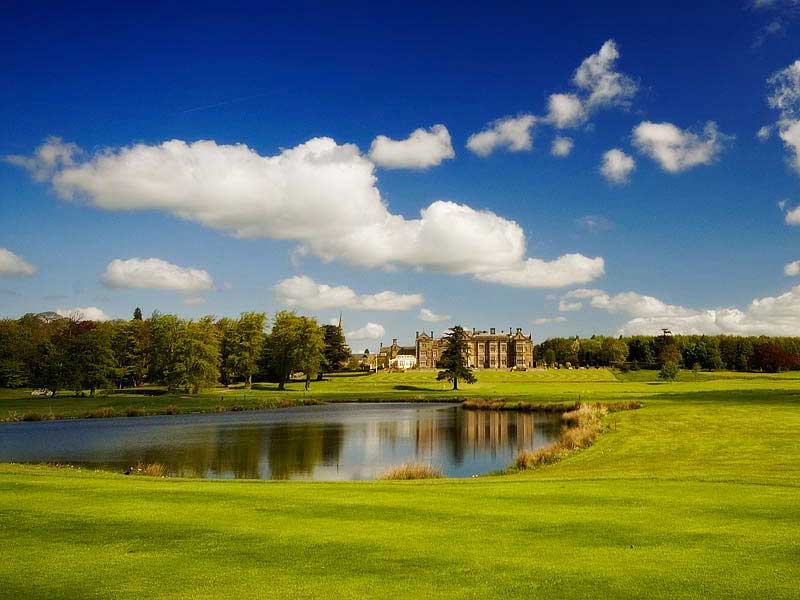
[[691, 248]]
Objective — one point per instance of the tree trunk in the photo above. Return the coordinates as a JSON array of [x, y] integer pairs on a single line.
[[249, 382], [282, 385], [455, 383], [308, 381]]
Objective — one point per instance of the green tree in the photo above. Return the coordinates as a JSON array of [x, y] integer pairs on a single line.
[[454, 359], [198, 354], [279, 347], [137, 314], [669, 372], [336, 351], [310, 344], [247, 345]]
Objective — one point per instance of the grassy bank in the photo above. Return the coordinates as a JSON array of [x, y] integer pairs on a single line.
[[531, 387], [695, 495]]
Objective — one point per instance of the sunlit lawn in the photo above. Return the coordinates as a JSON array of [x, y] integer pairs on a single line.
[[695, 495]]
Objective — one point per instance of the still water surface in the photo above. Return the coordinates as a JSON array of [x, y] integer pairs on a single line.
[[328, 442]]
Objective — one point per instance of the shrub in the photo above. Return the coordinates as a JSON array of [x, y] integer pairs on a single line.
[[669, 372], [132, 411], [171, 410], [410, 470], [32, 416]]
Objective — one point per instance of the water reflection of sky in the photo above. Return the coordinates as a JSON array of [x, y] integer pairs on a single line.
[[330, 442]]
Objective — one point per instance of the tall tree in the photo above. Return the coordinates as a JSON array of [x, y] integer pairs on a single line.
[[454, 359], [137, 314], [308, 354], [280, 344], [336, 351], [247, 345], [198, 354]]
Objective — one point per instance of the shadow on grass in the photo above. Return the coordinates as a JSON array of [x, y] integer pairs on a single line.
[[415, 388]]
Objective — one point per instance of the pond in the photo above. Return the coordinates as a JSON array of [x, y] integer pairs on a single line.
[[327, 442]]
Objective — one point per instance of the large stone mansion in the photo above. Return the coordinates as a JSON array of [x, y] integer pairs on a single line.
[[487, 350]]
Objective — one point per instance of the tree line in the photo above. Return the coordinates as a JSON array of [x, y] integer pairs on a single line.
[[54, 353], [736, 353]]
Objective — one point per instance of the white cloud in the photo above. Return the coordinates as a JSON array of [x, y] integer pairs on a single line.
[[789, 132], [764, 133], [617, 166], [420, 150], [648, 315], [370, 331], [569, 269], [303, 292], [320, 194], [546, 320], [195, 301], [155, 274], [597, 76], [784, 95], [565, 111], [594, 223], [678, 149], [793, 216], [792, 269], [562, 146], [49, 158], [511, 133], [12, 265], [428, 315], [85, 313], [569, 306]]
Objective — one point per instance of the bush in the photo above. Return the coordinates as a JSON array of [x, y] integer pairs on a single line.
[[669, 372], [134, 412]]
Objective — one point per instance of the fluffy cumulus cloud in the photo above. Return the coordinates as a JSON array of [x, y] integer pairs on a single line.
[[422, 149], [511, 133], [320, 194], [534, 272], [565, 110], [303, 292], [370, 331], [12, 265], [616, 166], [155, 274], [599, 85], [792, 269], [562, 146], [429, 316], [598, 76], [678, 149], [779, 315], [793, 216], [84, 313]]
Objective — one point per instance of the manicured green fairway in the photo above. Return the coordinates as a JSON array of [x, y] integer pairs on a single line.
[[695, 495]]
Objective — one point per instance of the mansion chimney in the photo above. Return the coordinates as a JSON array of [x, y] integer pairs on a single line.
[[491, 331]]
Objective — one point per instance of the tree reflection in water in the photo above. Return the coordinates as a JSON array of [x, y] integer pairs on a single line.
[[324, 442]]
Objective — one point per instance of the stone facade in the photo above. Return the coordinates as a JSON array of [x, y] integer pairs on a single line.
[[487, 349], [388, 355]]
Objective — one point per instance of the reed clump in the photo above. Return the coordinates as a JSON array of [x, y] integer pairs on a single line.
[[519, 406], [408, 471], [134, 411], [171, 410], [150, 469], [105, 412], [583, 426]]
